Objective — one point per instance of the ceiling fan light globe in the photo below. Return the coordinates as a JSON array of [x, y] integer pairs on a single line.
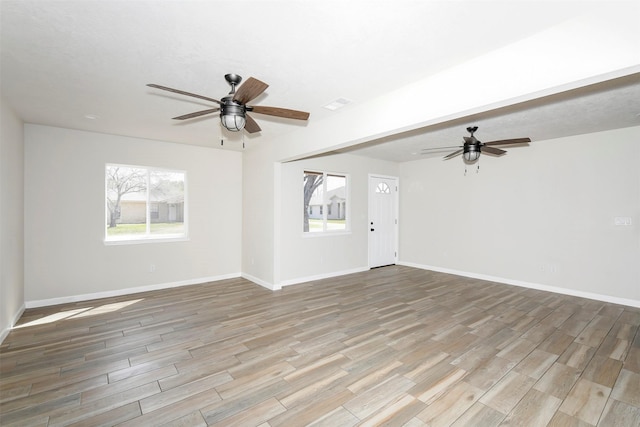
[[471, 156], [233, 122]]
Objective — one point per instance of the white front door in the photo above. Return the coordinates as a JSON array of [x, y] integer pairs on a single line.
[[383, 222]]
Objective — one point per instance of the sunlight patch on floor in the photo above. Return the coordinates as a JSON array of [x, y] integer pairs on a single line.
[[79, 313]]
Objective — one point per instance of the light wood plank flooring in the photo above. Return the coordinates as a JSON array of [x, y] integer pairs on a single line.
[[393, 346]]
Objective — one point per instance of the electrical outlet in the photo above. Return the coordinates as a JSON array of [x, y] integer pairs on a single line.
[[622, 220], [152, 268]]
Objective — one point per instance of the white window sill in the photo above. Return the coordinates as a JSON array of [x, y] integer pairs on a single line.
[[143, 240], [326, 233]]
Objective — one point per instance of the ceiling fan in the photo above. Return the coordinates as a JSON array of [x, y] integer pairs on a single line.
[[233, 107], [472, 147]]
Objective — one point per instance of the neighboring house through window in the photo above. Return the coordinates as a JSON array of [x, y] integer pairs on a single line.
[[144, 203], [322, 189]]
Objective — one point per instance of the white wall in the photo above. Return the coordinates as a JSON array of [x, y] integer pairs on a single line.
[[11, 219], [274, 251], [305, 257], [258, 214], [65, 254], [541, 215]]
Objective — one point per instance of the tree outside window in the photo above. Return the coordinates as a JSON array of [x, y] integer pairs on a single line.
[[144, 203], [312, 182], [324, 202]]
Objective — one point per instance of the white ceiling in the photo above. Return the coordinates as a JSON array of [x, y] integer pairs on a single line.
[[62, 61]]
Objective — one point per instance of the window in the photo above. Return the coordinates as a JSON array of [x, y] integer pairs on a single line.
[[322, 189], [383, 188], [144, 203], [154, 211]]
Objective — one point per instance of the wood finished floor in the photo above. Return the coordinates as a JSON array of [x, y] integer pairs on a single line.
[[392, 346]]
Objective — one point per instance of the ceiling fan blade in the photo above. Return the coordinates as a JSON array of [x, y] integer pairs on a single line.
[[509, 141], [440, 148], [455, 153], [181, 92], [280, 112], [249, 90], [251, 126], [492, 150], [196, 114]]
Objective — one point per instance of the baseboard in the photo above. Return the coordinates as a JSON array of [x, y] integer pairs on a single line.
[[530, 285], [321, 276], [127, 291], [15, 319], [275, 287], [260, 282]]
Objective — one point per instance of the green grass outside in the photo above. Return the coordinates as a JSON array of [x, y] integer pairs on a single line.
[[332, 224], [137, 229]]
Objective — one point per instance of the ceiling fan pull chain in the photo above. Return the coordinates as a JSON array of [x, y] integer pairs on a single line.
[[221, 142], [243, 140]]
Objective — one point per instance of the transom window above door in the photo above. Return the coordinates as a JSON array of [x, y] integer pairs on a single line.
[[383, 188]]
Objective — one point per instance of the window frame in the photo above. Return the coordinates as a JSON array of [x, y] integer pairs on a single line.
[[147, 237], [324, 211]]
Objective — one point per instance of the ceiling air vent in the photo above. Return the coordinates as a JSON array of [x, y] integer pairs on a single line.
[[337, 104]]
